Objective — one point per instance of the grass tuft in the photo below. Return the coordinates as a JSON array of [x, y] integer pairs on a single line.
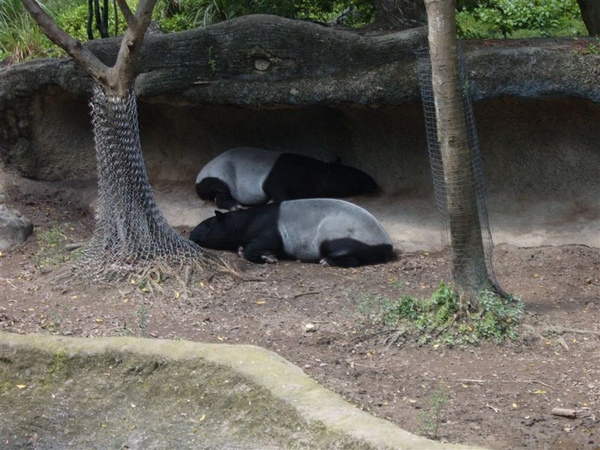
[[441, 319]]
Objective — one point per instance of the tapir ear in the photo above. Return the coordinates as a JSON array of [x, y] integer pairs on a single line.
[[219, 215]]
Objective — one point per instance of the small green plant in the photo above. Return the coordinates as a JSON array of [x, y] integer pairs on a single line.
[[52, 248], [593, 49], [441, 318], [430, 417], [189, 14], [142, 319]]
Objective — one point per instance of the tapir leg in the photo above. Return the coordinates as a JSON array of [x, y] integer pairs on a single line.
[[352, 253], [265, 248], [341, 261], [214, 189], [226, 201]]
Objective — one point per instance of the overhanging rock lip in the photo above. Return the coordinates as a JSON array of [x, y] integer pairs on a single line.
[[214, 66], [285, 381]]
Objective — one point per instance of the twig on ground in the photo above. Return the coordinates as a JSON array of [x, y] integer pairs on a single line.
[[493, 408], [564, 412], [471, 380], [306, 293], [8, 281], [75, 246]]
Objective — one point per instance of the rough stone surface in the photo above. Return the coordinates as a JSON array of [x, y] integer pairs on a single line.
[[14, 228], [156, 394]]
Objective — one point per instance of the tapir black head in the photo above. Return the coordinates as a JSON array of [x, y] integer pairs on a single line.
[[215, 233], [345, 181]]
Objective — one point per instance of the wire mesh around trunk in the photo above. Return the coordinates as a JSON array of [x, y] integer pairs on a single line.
[[131, 232], [469, 181]]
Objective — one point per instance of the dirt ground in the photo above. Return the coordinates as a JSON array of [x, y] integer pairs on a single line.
[[495, 396]]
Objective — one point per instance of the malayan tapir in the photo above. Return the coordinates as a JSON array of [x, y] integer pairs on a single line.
[[331, 231], [251, 176]]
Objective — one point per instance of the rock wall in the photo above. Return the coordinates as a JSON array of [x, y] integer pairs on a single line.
[[259, 81], [544, 147]]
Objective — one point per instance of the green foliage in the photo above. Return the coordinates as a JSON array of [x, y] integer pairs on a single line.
[[188, 14], [494, 18], [350, 13], [177, 22], [72, 17], [441, 319], [20, 37], [74, 22], [593, 49]]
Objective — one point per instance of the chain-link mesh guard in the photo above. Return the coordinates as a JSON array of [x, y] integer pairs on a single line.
[[470, 182], [131, 232]]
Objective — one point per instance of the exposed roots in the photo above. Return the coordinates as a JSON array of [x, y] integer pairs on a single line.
[[182, 279], [168, 276]]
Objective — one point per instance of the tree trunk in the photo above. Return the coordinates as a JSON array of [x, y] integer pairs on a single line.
[[129, 226], [467, 251], [590, 13], [130, 229]]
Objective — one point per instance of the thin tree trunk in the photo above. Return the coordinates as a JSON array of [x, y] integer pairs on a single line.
[[90, 16], [590, 13], [468, 258], [130, 229]]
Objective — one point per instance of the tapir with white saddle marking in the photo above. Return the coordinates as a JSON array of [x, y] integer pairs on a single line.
[[247, 176], [330, 231]]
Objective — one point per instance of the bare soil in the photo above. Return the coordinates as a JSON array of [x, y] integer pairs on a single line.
[[495, 396]]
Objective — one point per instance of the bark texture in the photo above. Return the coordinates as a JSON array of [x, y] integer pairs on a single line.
[[469, 269]]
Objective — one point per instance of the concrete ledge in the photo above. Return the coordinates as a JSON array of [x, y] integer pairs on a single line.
[[62, 392]]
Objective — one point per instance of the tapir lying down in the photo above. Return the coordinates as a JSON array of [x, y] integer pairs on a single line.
[[330, 231], [251, 176]]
